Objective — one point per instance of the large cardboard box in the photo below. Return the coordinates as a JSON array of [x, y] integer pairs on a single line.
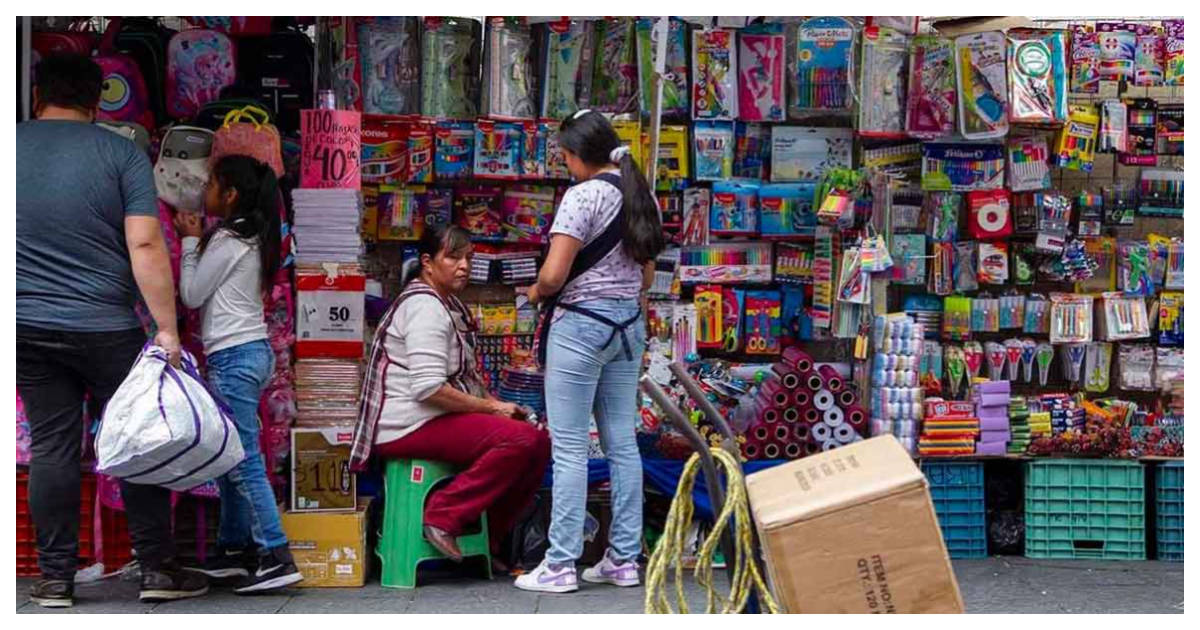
[[853, 530], [321, 477], [330, 548]]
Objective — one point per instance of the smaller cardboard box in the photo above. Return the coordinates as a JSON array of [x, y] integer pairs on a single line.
[[321, 477], [330, 548], [853, 530]]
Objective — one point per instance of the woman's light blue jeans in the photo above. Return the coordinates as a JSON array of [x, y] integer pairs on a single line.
[[248, 509], [588, 371]]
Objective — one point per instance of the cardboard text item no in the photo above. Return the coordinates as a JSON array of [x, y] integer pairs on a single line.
[[321, 477], [330, 548], [853, 530]]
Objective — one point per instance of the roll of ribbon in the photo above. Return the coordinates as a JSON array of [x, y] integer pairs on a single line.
[[829, 445], [813, 381], [856, 417], [833, 380], [801, 432], [801, 397], [771, 450], [751, 450], [822, 432], [791, 415], [823, 400], [797, 359], [760, 433], [810, 415], [844, 434], [774, 393], [847, 398], [788, 377], [770, 415], [793, 450], [783, 433], [834, 417]]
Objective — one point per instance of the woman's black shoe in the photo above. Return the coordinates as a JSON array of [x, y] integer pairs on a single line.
[[276, 569], [171, 582]]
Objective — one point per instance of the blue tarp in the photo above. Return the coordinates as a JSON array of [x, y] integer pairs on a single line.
[[663, 475]]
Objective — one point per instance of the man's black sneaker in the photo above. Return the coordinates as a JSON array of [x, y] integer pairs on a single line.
[[276, 569], [53, 593], [229, 564], [171, 582]]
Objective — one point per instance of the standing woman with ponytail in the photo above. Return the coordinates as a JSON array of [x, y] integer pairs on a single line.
[[224, 273], [606, 235]]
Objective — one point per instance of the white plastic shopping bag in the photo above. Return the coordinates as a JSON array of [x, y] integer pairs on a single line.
[[163, 427]]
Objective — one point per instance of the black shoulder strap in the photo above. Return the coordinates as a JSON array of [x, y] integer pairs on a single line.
[[595, 251]]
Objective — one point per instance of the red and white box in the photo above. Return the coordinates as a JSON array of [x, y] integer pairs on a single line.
[[329, 311]]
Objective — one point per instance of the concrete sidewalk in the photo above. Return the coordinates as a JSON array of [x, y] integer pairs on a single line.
[[993, 585]]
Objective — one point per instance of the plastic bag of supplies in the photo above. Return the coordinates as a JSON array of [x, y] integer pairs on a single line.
[[164, 427]]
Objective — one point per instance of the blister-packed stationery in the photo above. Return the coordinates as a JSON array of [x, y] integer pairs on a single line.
[[1028, 163], [806, 153], [1123, 317], [1148, 59], [615, 76], [1085, 60], [1136, 366], [941, 212], [1170, 319], [389, 50], [1037, 75], [761, 51], [714, 148], [1114, 126], [714, 80], [882, 94], [932, 100], [450, 52], [1037, 314], [820, 61], [454, 150], [569, 52], [966, 272], [1133, 268], [1118, 48], [1173, 52], [941, 273], [676, 88], [1070, 318], [982, 85], [1168, 367]]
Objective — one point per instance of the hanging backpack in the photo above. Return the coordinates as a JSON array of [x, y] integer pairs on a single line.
[[200, 63], [181, 172], [78, 39], [248, 131], [213, 114], [145, 41], [234, 26], [277, 69], [123, 94]]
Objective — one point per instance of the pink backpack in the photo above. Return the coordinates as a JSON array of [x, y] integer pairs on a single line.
[[247, 132], [200, 63]]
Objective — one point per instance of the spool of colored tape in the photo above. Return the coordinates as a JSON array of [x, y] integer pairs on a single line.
[[822, 432], [847, 398], [823, 400], [771, 450], [782, 432], [760, 433], [833, 380], [791, 415], [801, 397], [788, 377], [844, 434], [811, 415], [793, 450], [834, 417], [829, 445], [856, 417], [770, 415], [813, 381], [801, 432], [797, 359], [751, 450]]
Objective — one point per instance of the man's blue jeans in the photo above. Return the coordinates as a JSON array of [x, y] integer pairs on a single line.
[[588, 370], [248, 509]]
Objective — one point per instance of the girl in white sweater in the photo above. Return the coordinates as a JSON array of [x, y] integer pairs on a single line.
[[223, 273]]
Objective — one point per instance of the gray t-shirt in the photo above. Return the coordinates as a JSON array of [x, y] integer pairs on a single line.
[[584, 212], [76, 183]]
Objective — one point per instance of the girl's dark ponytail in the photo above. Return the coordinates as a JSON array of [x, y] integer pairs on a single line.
[[255, 215], [591, 137], [643, 239]]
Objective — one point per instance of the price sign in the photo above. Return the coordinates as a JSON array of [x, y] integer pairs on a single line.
[[321, 477], [329, 314], [331, 146]]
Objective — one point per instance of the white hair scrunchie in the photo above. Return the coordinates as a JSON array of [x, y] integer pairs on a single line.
[[616, 154]]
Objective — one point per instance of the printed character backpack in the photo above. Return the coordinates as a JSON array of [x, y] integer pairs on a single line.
[[181, 172], [200, 63]]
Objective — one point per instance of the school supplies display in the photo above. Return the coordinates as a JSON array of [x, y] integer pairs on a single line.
[[806, 153], [1037, 79], [713, 143], [761, 76], [676, 88], [932, 100], [982, 85], [990, 214], [962, 167], [450, 61], [570, 49], [734, 208], [881, 110], [714, 79], [508, 70], [615, 77], [1028, 163], [820, 66], [1118, 48], [1085, 59], [1143, 133]]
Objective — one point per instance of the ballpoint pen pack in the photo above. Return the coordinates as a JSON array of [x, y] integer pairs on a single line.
[[821, 53]]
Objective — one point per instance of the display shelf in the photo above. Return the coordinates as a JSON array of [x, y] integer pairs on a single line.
[[1085, 509], [1169, 510]]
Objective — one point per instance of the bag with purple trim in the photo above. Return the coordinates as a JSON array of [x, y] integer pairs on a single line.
[[164, 427]]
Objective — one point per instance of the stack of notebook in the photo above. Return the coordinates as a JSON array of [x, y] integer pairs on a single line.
[[326, 225]]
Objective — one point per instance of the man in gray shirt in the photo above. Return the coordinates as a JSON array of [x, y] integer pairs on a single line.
[[88, 241]]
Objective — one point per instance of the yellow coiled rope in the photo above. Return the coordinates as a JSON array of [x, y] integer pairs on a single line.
[[669, 551]]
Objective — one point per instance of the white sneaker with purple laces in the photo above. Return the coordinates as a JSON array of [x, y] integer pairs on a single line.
[[609, 571], [545, 579]]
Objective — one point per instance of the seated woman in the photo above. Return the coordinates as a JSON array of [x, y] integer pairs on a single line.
[[423, 399]]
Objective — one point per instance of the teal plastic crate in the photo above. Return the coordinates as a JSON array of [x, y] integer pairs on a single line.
[[1169, 502], [1085, 509], [957, 492]]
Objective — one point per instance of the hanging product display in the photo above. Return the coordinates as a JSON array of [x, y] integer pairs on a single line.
[[1037, 80], [200, 63], [881, 109], [760, 77], [714, 74], [567, 74], [389, 50], [932, 100], [508, 70], [982, 86], [714, 149], [1028, 163], [1148, 60], [1118, 49], [1143, 129], [615, 74], [1085, 60], [1173, 52], [498, 148], [676, 88], [450, 52], [820, 66], [1077, 140], [806, 153], [962, 167]]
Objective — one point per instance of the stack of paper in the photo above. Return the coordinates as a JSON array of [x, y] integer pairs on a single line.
[[327, 392], [327, 225]]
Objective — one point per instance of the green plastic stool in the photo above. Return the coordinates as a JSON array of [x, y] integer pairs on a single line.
[[402, 545]]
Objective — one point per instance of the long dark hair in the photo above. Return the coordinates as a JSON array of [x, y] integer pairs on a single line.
[[436, 238], [255, 215], [591, 137]]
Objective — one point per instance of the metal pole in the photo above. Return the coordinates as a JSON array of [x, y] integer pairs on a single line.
[[660, 66], [706, 406]]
